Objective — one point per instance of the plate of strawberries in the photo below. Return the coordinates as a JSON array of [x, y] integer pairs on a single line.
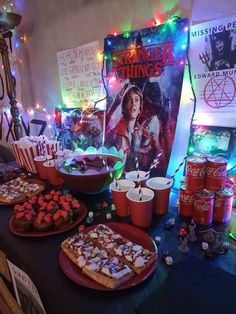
[[49, 214]]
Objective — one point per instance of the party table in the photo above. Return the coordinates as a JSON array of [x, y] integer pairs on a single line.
[[39, 258]]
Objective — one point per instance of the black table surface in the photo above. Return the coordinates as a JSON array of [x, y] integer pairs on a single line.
[[39, 258]]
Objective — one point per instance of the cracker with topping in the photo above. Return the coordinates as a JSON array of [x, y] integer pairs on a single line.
[[106, 256], [18, 190]]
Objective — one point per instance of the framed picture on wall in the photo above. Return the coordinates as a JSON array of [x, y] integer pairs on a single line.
[[218, 141], [81, 128]]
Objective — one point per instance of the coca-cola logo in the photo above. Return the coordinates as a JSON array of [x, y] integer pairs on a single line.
[[202, 205], [196, 172], [218, 202], [224, 203], [216, 172], [187, 199]]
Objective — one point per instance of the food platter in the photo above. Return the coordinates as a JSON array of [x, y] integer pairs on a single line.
[[27, 196], [33, 233], [132, 233]]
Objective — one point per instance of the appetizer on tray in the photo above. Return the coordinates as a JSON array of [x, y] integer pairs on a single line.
[[53, 211], [18, 190], [106, 256]]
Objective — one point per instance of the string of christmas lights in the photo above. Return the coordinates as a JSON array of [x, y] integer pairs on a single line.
[[9, 5]]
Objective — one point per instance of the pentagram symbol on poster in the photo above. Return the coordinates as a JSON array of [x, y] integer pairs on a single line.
[[219, 92]]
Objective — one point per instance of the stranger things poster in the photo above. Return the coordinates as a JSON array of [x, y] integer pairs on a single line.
[[144, 74]]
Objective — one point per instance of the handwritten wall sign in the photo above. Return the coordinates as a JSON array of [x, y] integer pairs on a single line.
[[80, 75]]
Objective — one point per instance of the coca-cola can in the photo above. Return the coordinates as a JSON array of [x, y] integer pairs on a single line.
[[216, 170], [223, 205], [203, 207], [186, 200], [195, 173]]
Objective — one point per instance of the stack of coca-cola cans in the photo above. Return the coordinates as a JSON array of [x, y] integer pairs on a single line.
[[203, 195]]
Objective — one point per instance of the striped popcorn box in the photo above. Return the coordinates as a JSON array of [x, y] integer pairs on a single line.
[[52, 147], [23, 153], [17, 154], [28, 153], [32, 152]]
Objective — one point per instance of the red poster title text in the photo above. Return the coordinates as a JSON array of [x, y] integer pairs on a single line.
[[146, 61]]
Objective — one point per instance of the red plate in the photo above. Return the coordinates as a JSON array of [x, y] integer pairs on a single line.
[[37, 234], [128, 231]]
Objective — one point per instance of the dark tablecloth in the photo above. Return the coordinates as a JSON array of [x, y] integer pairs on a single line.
[[39, 258]]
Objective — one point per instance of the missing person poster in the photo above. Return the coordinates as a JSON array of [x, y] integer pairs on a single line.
[[144, 73], [213, 65]]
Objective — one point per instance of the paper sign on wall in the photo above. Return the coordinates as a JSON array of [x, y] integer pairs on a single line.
[[213, 62], [80, 75]]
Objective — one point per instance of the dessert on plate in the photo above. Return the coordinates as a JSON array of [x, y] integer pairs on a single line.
[[106, 256], [18, 189], [53, 211]]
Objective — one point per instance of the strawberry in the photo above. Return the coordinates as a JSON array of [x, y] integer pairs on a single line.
[[29, 206], [62, 199], [48, 196], [44, 205], [41, 198], [40, 217], [53, 192], [25, 205], [75, 204], [50, 207], [29, 217], [41, 214], [56, 198], [21, 209], [67, 208], [41, 201], [48, 218], [56, 215], [32, 202], [20, 215], [68, 197], [64, 214], [59, 193]]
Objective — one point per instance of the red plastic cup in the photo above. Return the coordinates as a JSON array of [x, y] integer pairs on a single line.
[[162, 193], [60, 155], [41, 170], [53, 176], [140, 208], [119, 196], [133, 176], [67, 152]]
